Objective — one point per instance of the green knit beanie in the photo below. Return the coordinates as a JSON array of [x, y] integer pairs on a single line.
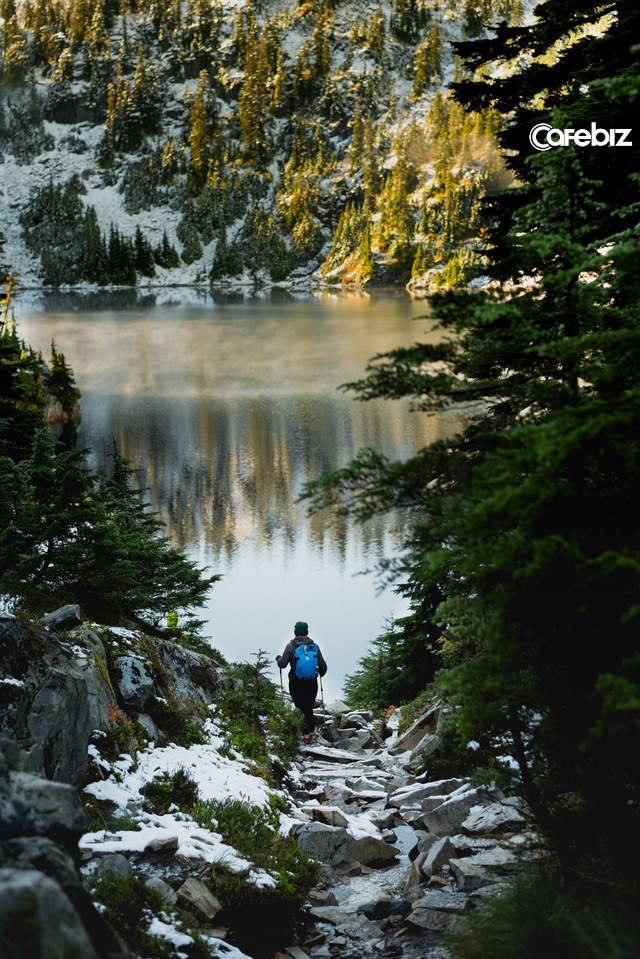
[[301, 629]]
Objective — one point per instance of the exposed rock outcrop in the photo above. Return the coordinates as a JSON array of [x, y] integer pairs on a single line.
[[43, 905], [59, 686]]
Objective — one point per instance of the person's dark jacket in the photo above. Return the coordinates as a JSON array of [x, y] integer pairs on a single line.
[[288, 658]]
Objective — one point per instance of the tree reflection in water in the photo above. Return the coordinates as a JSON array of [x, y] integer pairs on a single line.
[[228, 411]]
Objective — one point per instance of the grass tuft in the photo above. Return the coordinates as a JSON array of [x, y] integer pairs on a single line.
[[178, 788]]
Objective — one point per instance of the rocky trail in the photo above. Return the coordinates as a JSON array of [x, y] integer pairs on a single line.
[[402, 854]]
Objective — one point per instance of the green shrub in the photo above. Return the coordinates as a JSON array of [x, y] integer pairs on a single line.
[[104, 814], [176, 720], [129, 905], [253, 832], [538, 915], [124, 821], [273, 913], [167, 789], [414, 709], [257, 723], [283, 731]]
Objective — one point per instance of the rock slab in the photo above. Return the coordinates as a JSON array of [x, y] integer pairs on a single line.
[[194, 896]]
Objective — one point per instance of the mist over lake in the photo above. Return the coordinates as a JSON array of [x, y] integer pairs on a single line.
[[228, 409]]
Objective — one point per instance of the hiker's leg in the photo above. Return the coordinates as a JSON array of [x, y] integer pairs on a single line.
[[310, 693], [297, 693], [303, 693]]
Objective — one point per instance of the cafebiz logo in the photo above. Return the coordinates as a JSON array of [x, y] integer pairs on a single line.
[[543, 136]]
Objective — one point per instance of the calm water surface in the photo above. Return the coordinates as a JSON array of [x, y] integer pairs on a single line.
[[228, 408]]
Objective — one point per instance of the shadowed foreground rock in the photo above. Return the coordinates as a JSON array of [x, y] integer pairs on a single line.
[[56, 690], [45, 913]]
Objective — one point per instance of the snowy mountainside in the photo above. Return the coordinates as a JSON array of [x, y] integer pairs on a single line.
[[232, 143]]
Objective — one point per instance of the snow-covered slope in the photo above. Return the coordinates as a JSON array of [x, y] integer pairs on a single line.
[[240, 137]]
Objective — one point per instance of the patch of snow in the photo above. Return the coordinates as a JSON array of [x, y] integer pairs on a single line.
[[360, 826], [6, 607], [222, 950], [124, 633], [217, 776], [261, 879], [94, 754], [78, 652], [163, 930], [194, 842]]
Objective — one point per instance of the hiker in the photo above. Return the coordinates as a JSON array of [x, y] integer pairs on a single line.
[[305, 661]]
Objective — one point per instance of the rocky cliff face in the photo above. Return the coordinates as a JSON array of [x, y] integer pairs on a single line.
[[64, 686], [59, 686], [54, 412], [45, 911]]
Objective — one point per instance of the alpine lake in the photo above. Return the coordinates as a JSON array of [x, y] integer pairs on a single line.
[[227, 406]]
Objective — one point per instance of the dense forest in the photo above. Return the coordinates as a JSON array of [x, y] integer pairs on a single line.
[[201, 141], [521, 568]]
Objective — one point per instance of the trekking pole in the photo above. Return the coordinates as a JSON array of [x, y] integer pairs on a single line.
[[322, 698], [281, 686]]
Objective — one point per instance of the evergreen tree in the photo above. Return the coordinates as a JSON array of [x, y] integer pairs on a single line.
[[321, 45], [357, 139], [566, 53], [420, 262], [21, 384], [428, 61], [396, 218], [521, 547], [146, 99], [279, 95], [307, 237], [477, 16], [187, 233], [366, 260], [61, 382], [66, 536], [122, 261], [201, 131], [376, 34], [348, 239], [304, 78], [253, 103], [408, 19], [53, 226], [80, 15], [165, 254], [397, 668], [96, 260], [227, 260], [15, 58], [144, 259]]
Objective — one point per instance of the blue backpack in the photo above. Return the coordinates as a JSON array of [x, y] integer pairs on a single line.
[[306, 661]]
